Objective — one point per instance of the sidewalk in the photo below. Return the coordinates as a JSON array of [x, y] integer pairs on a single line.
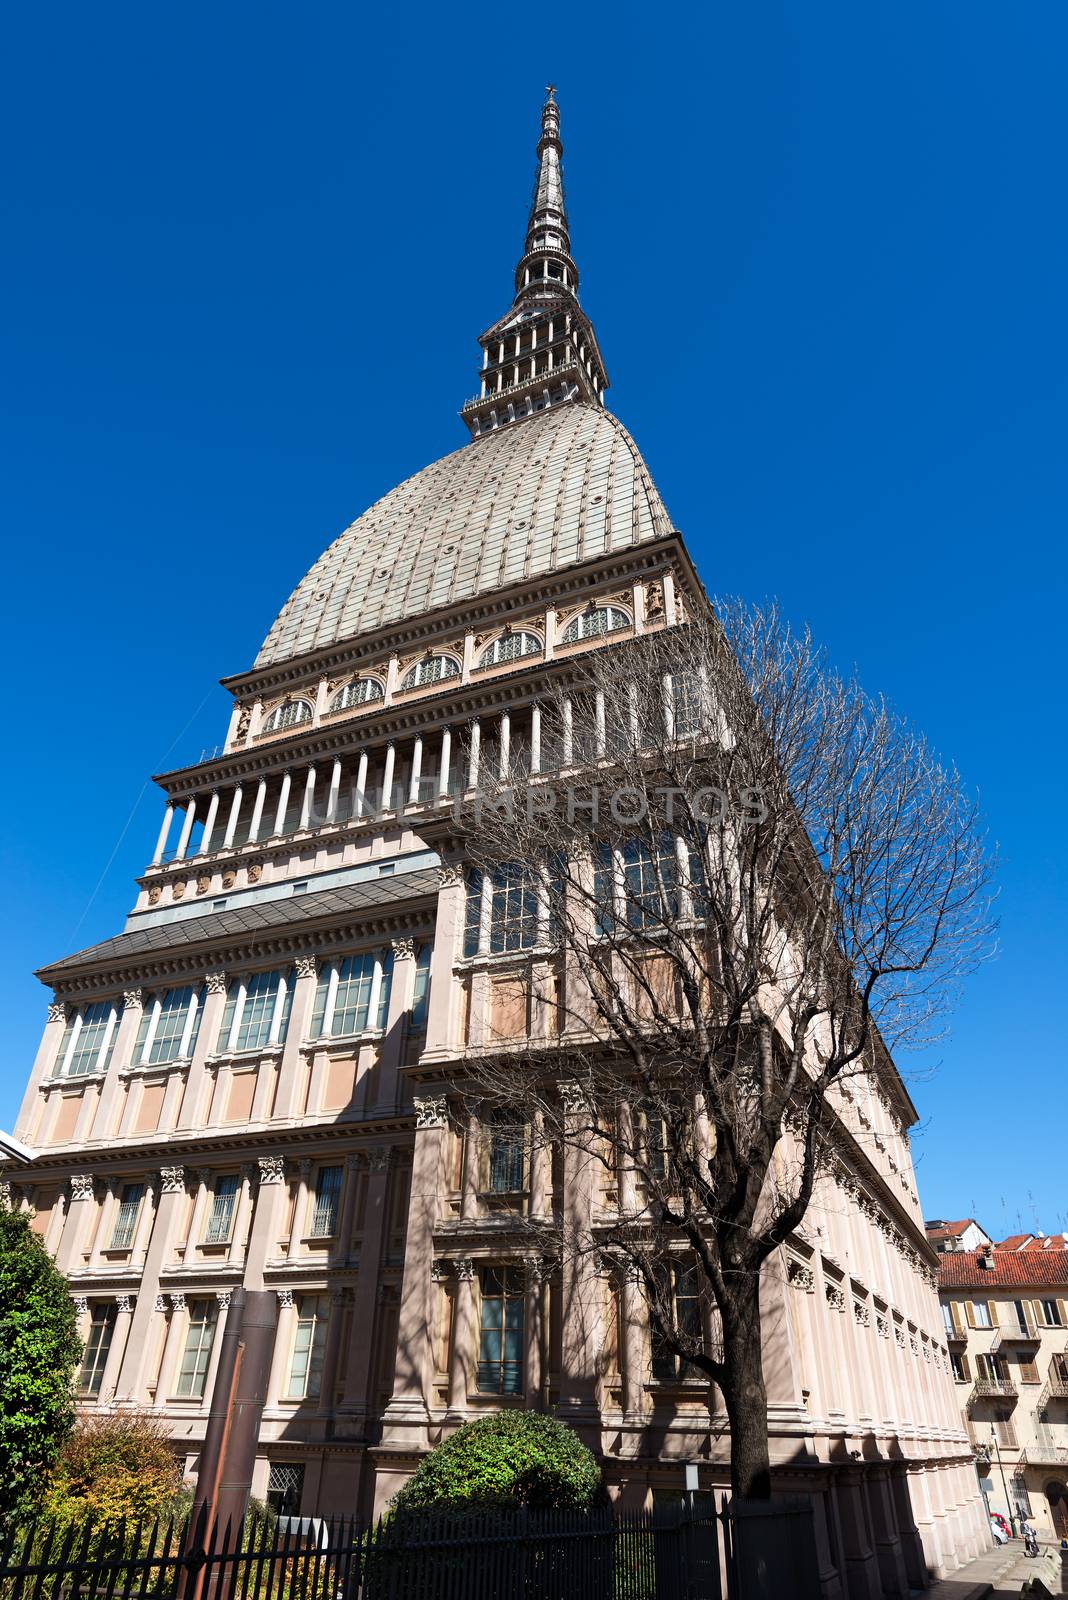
[[1001, 1572]]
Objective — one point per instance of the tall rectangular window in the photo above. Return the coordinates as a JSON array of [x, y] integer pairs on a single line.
[[1051, 1313], [507, 1155], [169, 1026], [223, 1206], [257, 1011], [97, 1349], [88, 1041], [680, 1300], [122, 1235], [309, 1343], [514, 908], [421, 989], [360, 995], [200, 1336], [326, 1203], [500, 1342], [473, 912]]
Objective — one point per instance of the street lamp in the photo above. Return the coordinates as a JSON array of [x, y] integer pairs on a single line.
[[1004, 1485]]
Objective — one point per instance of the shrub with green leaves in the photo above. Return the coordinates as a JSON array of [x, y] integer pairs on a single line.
[[39, 1352], [117, 1467], [512, 1459]]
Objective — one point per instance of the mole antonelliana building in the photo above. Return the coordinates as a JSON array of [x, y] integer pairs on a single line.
[[248, 1086]]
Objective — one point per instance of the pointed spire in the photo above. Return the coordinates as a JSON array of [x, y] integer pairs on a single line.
[[548, 211], [544, 352]]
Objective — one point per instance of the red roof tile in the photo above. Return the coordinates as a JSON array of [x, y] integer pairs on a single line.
[[1015, 1241], [1012, 1269], [947, 1230]]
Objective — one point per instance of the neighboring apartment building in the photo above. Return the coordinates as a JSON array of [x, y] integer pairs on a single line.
[[1005, 1311], [249, 1085]]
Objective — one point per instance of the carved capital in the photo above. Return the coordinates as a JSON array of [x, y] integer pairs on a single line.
[[177, 1302], [440, 1271], [124, 1302], [465, 1269], [161, 1302], [82, 1186], [223, 1297], [285, 1299], [340, 1296], [573, 1098], [272, 1169], [899, 1335], [133, 999], [172, 1180], [449, 874], [403, 949], [58, 1011], [861, 1314], [215, 982], [377, 1158], [835, 1297], [81, 1305], [307, 966], [536, 1269], [431, 1112]]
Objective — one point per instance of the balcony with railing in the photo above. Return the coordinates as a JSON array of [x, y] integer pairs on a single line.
[[993, 1389], [1056, 1388], [1015, 1333], [1044, 1452]]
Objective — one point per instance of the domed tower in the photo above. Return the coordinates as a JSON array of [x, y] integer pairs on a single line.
[[241, 1104]]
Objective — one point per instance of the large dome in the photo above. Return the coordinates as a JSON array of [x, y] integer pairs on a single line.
[[549, 492]]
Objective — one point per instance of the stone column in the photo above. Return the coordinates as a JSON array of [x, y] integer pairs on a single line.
[[307, 968], [236, 1253], [194, 1112], [533, 1331], [232, 819], [106, 1120], [340, 1298], [165, 1383], [79, 1214], [448, 931], [632, 1308], [187, 828], [209, 822], [272, 1191], [406, 1417], [342, 1249], [257, 811], [401, 991], [300, 1209], [463, 1355], [473, 751], [120, 1334], [387, 777], [581, 1300], [360, 806], [417, 770], [172, 1201], [470, 1179], [283, 804], [44, 1066], [105, 1222], [535, 739], [307, 804], [504, 735], [359, 1379], [444, 763], [161, 842], [334, 791]]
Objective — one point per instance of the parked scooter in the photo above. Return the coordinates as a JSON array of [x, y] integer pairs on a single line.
[[1030, 1537]]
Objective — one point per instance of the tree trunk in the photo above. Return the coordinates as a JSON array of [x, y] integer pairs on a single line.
[[744, 1394]]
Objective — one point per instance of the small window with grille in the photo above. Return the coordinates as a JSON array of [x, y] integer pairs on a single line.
[[285, 1487]]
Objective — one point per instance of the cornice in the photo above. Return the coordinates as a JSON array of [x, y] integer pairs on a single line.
[[358, 929], [433, 627]]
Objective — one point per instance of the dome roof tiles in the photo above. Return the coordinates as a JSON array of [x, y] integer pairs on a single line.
[[546, 493]]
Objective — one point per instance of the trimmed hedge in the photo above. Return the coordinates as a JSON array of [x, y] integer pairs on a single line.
[[514, 1458]]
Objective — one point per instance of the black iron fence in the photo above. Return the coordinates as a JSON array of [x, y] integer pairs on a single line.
[[738, 1552]]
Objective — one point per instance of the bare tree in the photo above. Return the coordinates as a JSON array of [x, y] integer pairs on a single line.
[[747, 880]]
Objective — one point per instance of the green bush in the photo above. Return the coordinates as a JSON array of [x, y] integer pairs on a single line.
[[115, 1468], [39, 1351], [512, 1459]]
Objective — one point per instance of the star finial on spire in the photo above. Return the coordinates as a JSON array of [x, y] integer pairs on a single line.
[[550, 91]]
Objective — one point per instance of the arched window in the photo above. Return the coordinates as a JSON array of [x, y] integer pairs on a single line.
[[290, 714], [594, 621], [360, 692], [510, 646], [432, 669]]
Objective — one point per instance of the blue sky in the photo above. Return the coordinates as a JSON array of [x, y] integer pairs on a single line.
[[249, 249]]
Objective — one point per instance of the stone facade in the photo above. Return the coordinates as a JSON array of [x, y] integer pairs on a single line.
[[249, 1086]]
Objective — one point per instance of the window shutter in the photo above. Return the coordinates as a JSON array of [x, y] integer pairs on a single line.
[[992, 1312], [1063, 1306], [964, 1367], [1028, 1372], [1036, 1307], [956, 1311], [969, 1311]]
